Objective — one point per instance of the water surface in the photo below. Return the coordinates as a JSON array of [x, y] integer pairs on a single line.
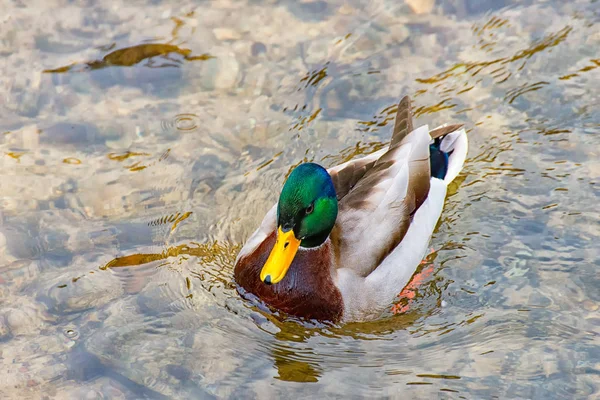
[[141, 144]]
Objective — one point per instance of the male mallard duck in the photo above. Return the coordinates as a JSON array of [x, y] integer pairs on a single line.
[[341, 243]]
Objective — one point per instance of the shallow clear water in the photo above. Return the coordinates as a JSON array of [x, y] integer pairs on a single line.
[[141, 144]]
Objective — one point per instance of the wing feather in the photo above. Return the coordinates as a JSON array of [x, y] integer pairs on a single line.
[[377, 212]]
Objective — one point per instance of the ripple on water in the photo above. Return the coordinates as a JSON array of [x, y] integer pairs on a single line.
[[182, 123], [76, 294], [511, 309]]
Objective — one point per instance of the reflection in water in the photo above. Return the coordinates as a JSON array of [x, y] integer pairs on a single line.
[[155, 67], [297, 357], [175, 219], [125, 155], [266, 163], [509, 308], [72, 160], [380, 120], [16, 155], [130, 56], [136, 166], [304, 121], [208, 253], [293, 351], [314, 78], [513, 94], [595, 64], [293, 366], [330, 87], [499, 68]]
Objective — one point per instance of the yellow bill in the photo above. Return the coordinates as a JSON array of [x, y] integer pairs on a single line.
[[281, 257]]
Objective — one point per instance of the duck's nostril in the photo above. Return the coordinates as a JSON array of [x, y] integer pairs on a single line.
[[268, 279], [286, 244]]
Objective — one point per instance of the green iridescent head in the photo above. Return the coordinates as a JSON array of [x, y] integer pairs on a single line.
[[308, 204], [306, 214]]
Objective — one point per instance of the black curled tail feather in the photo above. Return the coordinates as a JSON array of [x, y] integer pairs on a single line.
[[438, 160]]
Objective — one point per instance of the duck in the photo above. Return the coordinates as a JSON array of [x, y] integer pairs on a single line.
[[341, 242]]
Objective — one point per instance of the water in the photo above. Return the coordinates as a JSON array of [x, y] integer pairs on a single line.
[[141, 144]]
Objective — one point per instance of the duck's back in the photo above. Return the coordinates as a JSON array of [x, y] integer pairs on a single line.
[[376, 211]]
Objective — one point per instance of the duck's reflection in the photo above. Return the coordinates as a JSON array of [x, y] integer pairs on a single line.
[[292, 366]]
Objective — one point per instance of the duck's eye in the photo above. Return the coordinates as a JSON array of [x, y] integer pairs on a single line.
[[310, 209]]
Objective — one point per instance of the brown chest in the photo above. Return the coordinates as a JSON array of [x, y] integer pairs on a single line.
[[306, 291]]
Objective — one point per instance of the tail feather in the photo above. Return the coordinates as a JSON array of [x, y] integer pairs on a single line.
[[443, 163], [438, 160], [403, 125], [444, 130], [448, 152]]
